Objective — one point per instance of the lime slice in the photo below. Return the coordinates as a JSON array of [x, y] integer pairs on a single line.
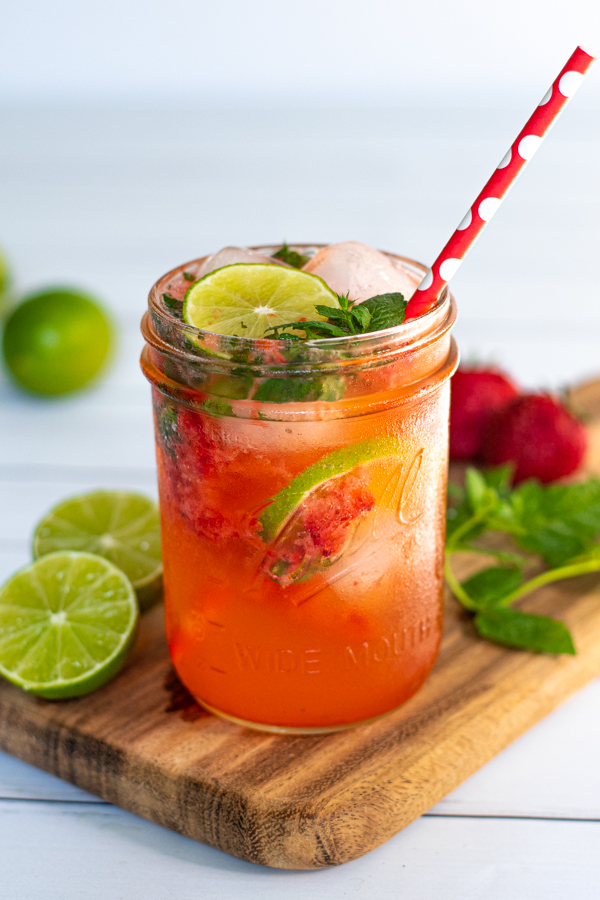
[[67, 623], [336, 463], [246, 299], [122, 527]]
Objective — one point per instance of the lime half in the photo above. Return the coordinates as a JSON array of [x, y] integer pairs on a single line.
[[336, 463], [67, 623], [246, 299], [121, 526]]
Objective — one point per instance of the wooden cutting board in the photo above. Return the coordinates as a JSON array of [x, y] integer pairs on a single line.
[[306, 802]]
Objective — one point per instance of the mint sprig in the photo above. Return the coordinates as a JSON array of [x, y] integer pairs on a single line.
[[557, 526], [374, 314]]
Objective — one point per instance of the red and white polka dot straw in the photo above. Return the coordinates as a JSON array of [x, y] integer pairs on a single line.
[[488, 201]]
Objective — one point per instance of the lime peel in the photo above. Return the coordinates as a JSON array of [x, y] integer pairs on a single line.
[[336, 463]]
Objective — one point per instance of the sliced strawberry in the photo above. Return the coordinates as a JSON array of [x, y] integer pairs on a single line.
[[320, 529]]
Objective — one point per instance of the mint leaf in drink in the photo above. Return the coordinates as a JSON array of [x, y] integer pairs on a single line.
[[525, 631], [189, 276], [312, 330], [291, 257], [492, 585], [375, 314], [386, 311], [217, 408], [175, 305], [166, 422], [288, 390]]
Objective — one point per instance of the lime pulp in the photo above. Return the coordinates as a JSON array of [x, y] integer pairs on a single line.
[[246, 299], [67, 624], [121, 526]]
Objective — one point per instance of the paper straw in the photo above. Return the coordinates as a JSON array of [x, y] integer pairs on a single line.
[[509, 169]]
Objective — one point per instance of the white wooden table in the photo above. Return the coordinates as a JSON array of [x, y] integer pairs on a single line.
[[110, 200]]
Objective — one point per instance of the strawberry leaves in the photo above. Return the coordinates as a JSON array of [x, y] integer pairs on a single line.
[[374, 314], [557, 525]]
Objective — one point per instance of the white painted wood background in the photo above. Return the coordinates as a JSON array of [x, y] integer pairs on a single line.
[[110, 199]]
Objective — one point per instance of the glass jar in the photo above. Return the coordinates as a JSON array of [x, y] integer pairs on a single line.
[[302, 495]]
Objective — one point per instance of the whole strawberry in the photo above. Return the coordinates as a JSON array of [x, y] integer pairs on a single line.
[[536, 433], [476, 394]]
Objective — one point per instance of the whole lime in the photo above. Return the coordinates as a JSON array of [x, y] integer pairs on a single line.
[[4, 274], [57, 341]]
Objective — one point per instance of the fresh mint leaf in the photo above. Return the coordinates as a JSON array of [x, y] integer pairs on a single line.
[[217, 407], [476, 487], [233, 387], [559, 522], [288, 390], [332, 388], [189, 276], [362, 316], [460, 519], [386, 310], [492, 585], [524, 631], [375, 314], [500, 479], [300, 390], [340, 317], [291, 257]]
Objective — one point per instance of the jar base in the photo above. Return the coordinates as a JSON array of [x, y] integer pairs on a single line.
[[290, 729]]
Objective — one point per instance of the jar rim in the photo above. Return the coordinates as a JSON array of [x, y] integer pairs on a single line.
[[176, 338]]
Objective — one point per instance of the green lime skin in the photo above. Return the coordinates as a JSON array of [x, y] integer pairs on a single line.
[[67, 625], [4, 274], [57, 341], [336, 463]]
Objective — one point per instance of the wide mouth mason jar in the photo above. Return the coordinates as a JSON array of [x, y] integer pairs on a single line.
[[302, 495]]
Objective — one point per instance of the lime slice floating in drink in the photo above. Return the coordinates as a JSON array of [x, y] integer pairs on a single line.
[[121, 526], [336, 463], [67, 623], [246, 299]]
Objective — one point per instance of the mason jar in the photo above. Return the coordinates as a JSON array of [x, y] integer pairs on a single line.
[[302, 496]]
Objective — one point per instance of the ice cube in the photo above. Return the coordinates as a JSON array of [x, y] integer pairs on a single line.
[[230, 255], [363, 272]]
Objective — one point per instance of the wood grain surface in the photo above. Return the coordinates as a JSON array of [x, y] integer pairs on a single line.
[[306, 802]]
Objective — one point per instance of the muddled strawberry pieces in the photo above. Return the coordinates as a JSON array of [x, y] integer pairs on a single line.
[[191, 453], [320, 529]]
